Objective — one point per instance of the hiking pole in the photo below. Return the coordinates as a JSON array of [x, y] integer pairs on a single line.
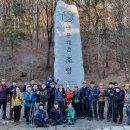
[[31, 111], [100, 109], [33, 116], [92, 108], [112, 108]]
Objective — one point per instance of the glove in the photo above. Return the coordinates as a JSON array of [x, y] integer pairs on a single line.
[[108, 91], [111, 94], [38, 92], [57, 80]]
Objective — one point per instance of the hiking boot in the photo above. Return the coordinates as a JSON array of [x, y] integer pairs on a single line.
[[115, 121], [18, 122], [96, 119], [15, 124], [5, 118], [83, 117], [120, 122], [27, 123], [100, 119], [11, 118], [108, 119], [46, 125], [90, 118], [103, 117]]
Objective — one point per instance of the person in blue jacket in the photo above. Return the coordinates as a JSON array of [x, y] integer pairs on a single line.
[[49, 81], [29, 101], [35, 92], [60, 97], [84, 92], [41, 116], [93, 100]]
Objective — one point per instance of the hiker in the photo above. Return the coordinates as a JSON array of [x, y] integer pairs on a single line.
[[56, 115], [127, 101], [84, 92], [60, 97], [52, 97], [4, 91], [77, 100], [32, 82], [101, 101], [28, 98], [17, 100], [41, 116], [44, 95], [93, 100], [24, 85], [12, 91], [40, 82], [49, 80], [68, 95], [24, 90], [70, 112], [119, 96], [35, 94], [109, 92]]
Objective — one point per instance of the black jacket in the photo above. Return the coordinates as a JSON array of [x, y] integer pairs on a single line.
[[44, 94], [119, 96], [84, 92], [4, 93], [110, 94]]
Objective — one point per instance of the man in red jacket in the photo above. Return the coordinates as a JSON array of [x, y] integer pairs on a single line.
[[4, 91]]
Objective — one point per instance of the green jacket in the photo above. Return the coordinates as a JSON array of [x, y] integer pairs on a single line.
[[70, 113]]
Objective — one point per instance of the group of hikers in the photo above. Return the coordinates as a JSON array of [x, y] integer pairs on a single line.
[[49, 103]]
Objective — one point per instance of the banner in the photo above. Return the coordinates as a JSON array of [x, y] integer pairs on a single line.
[[68, 66]]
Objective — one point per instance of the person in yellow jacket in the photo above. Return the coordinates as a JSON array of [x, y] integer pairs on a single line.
[[17, 100]]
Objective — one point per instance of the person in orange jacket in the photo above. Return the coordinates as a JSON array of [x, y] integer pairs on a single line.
[[101, 101], [68, 95]]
